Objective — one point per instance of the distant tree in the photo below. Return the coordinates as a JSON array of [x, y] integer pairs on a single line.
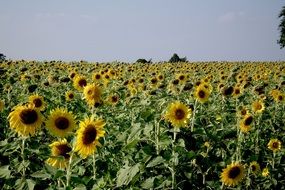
[[175, 58], [2, 57], [144, 61], [281, 41]]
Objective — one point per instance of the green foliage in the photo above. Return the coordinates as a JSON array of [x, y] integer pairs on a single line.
[[281, 40], [175, 59]]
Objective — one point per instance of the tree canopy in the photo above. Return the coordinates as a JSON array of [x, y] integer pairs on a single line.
[[175, 58], [2, 57], [281, 41]]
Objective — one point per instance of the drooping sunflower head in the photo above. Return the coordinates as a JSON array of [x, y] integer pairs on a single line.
[[232, 174], [92, 94], [274, 145], [257, 106], [60, 123], [88, 135], [37, 101], [60, 154], [178, 114], [245, 124], [79, 82], [254, 167], [25, 120], [202, 94]]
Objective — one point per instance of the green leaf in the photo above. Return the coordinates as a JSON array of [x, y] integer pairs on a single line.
[[148, 183], [126, 174], [31, 184], [80, 187], [5, 172], [41, 174], [158, 160]]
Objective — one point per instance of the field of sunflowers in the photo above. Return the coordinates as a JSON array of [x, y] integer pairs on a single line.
[[79, 125]]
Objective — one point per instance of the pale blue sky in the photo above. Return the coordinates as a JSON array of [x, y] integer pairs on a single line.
[[125, 30]]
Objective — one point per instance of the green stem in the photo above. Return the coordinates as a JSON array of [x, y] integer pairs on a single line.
[[23, 156], [174, 158], [273, 160], [94, 166], [68, 170], [193, 117], [157, 133]]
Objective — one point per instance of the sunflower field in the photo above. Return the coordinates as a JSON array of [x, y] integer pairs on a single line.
[[203, 125]]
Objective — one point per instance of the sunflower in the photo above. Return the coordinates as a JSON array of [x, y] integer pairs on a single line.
[[79, 82], [69, 96], [60, 123], [202, 94], [232, 174], [25, 120], [274, 145], [113, 99], [2, 104], [92, 94], [265, 172], [60, 154], [88, 135], [254, 166], [178, 114], [257, 106], [37, 101], [245, 123]]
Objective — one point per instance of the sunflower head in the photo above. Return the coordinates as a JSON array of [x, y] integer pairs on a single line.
[[69, 96], [79, 82], [60, 122], [92, 94], [202, 94], [265, 172], [254, 167], [25, 120], [258, 106], [88, 135], [60, 154], [178, 114], [232, 174], [245, 124], [37, 101], [274, 145]]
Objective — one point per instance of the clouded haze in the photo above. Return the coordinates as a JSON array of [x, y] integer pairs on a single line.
[[125, 30]]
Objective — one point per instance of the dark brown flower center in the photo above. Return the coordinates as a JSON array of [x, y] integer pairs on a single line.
[[228, 91], [61, 123], [97, 76], [64, 150], [37, 102], [114, 99], [275, 145], [72, 75], [234, 172], [28, 116], [82, 82], [201, 94], [154, 81], [253, 168], [248, 120], [280, 98], [89, 135], [179, 114], [182, 77], [71, 96]]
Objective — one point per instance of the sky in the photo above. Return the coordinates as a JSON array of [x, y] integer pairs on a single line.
[[126, 30]]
